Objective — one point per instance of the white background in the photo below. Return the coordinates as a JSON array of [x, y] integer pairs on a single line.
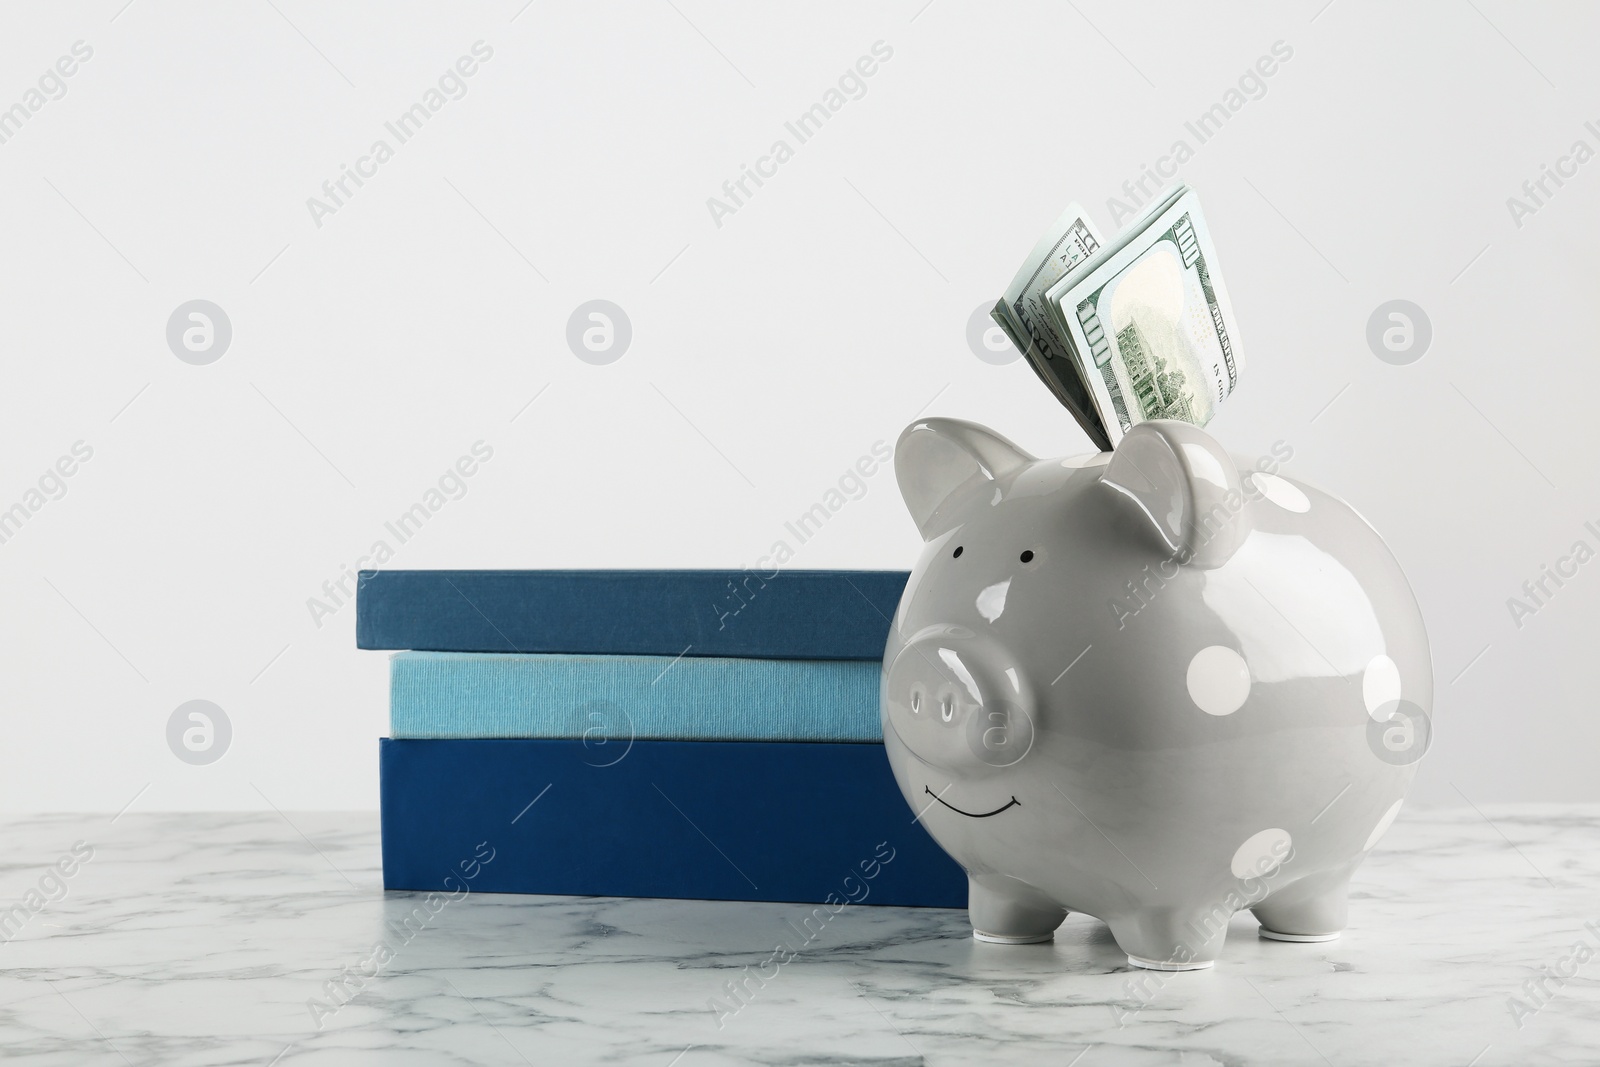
[[768, 353]]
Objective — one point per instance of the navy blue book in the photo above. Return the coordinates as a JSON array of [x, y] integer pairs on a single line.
[[807, 822], [783, 615]]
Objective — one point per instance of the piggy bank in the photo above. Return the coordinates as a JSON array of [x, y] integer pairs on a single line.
[[1153, 685]]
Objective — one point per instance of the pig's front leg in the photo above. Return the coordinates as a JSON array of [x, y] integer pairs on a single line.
[[1005, 911]]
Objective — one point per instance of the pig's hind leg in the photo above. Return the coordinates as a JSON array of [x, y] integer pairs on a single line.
[[1310, 909]]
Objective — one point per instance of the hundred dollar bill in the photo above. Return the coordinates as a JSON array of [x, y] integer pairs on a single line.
[[1149, 323], [1026, 318]]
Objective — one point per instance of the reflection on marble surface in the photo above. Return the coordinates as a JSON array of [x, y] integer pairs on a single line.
[[212, 939]]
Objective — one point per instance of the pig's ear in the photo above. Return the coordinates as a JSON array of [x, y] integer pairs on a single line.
[[1184, 487], [946, 467]]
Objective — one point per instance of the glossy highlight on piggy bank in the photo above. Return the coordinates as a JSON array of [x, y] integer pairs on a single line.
[[1155, 686]]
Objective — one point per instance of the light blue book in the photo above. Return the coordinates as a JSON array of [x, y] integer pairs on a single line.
[[601, 699]]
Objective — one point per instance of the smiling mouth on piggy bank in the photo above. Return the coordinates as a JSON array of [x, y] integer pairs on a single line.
[[1012, 803]]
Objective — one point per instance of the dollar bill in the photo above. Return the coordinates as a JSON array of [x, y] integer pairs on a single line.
[[1024, 314], [1148, 322]]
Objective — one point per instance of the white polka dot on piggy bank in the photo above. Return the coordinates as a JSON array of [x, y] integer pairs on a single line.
[[1262, 853], [1218, 680], [1167, 717], [1380, 687]]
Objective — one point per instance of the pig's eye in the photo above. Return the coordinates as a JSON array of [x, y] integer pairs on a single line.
[[1027, 557], [957, 553]]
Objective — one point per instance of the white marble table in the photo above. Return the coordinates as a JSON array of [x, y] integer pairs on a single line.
[[205, 939]]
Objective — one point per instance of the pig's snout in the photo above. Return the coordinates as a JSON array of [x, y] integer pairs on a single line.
[[957, 702]]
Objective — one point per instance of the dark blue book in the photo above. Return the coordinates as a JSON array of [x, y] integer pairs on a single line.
[[815, 823], [783, 615]]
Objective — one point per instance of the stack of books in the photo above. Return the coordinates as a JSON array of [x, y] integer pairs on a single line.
[[691, 734]]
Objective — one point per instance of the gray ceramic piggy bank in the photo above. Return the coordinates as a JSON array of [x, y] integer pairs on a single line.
[[1151, 685]]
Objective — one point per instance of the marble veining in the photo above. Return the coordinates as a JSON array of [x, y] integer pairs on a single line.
[[213, 939]]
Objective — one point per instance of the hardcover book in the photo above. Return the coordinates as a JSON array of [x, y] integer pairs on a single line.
[[491, 694], [779, 615], [820, 823]]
